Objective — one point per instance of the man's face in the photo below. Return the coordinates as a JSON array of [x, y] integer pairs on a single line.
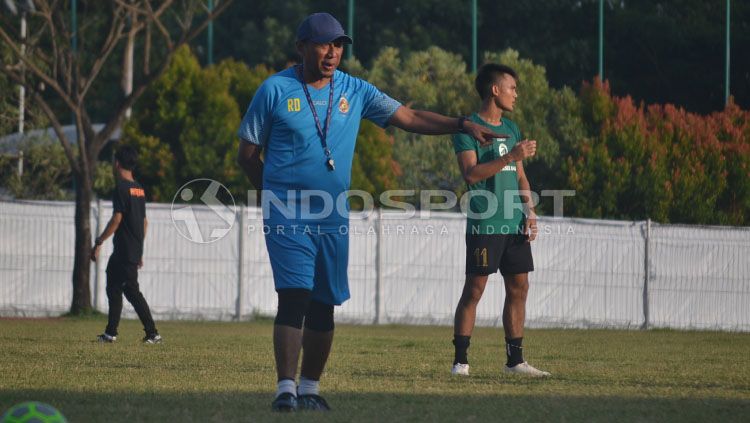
[[321, 59], [505, 93]]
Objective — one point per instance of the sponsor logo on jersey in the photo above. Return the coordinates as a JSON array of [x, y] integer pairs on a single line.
[[137, 192]]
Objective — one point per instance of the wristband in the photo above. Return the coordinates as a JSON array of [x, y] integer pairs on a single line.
[[461, 128], [98, 241]]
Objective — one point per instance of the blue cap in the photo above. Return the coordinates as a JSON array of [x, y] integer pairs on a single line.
[[321, 28]]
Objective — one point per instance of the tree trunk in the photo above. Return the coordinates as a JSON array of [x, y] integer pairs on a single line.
[[82, 262]]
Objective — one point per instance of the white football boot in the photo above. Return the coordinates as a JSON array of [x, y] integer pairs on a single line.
[[526, 369], [460, 369]]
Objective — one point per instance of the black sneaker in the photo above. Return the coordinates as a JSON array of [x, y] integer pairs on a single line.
[[106, 338], [284, 403], [312, 403], [152, 339]]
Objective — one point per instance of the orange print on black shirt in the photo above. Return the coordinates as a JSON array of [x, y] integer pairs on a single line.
[[137, 192]]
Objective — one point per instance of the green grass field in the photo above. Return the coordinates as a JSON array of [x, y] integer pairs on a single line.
[[223, 372]]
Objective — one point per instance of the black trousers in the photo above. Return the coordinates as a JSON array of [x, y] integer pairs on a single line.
[[122, 278]]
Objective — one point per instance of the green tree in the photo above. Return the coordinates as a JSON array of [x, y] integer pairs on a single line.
[[8, 106], [269, 42], [666, 51], [46, 173], [433, 80], [437, 80], [373, 170], [242, 82], [63, 68], [732, 129], [660, 162], [184, 127]]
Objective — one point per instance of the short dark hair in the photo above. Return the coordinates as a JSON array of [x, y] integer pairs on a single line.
[[488, 74], [127, 156]]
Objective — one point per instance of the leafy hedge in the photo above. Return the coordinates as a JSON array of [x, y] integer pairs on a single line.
[[660, 162]]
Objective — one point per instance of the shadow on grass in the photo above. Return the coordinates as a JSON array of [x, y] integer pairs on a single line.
[[358, 407]]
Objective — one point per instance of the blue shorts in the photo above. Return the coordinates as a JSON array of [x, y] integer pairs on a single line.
[[316, 262]]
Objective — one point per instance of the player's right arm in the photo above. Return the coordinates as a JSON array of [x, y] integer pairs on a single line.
[[384, 111], [248, 157], [431, 123], [474, 172], [254, 132], [111, 227]]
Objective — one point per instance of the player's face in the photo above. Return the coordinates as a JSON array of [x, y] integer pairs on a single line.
[[321, 59], [505, 93]]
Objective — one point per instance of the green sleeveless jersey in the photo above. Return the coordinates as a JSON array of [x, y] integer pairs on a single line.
[[507, 218]]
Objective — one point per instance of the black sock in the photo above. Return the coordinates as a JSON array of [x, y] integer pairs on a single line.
[[462, 344], [514, 351]]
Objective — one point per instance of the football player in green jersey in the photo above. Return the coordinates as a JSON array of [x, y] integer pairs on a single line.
[[501, 222]]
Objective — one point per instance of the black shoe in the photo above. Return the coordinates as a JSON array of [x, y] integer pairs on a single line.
[[312, 403], [285, 402], [152, 339], [106, 338]]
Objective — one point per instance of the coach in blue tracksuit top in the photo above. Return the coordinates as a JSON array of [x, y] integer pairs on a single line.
[[305, 119]]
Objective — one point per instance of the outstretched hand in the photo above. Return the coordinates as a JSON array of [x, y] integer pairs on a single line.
[[481, 133]]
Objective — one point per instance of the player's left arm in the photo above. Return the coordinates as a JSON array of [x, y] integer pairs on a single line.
[[145, 229], [430, 123], [524, 187]]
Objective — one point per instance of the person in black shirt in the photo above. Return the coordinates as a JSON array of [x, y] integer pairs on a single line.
[[128, 224]]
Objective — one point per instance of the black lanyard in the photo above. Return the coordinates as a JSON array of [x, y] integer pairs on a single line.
[[323, 134]]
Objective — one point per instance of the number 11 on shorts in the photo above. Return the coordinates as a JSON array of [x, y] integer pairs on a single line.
[[481, 256]]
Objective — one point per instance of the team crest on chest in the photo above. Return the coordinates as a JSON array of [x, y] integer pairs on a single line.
[[502, 149], [343, 105]]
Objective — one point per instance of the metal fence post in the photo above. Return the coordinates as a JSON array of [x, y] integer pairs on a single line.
[[98, 263], [240, 263], [646, 268], [379, 306]]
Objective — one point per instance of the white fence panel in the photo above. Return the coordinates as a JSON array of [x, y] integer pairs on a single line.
[[422, 267], [402, 269], [36, 258], [259, 297], [700, 277], [363, 244], [588, 273]]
